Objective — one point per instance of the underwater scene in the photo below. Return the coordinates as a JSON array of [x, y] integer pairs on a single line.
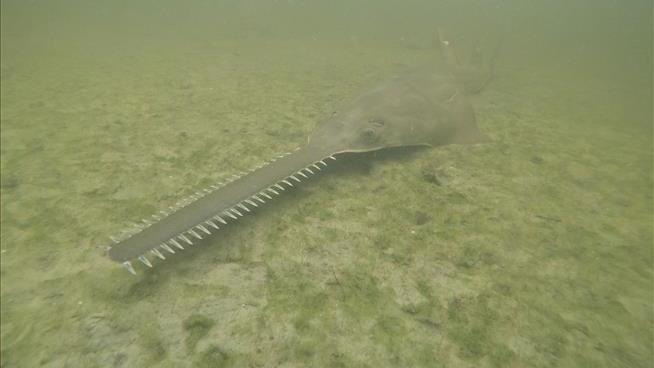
[[314, 183]]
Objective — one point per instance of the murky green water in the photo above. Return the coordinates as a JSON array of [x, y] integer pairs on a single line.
[[533, 250]]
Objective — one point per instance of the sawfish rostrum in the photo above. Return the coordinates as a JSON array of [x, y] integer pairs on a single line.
[[424, 107]]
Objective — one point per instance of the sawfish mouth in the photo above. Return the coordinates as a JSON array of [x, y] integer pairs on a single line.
[[205, 212]]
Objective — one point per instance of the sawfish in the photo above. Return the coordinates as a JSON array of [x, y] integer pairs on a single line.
[[424, 107]]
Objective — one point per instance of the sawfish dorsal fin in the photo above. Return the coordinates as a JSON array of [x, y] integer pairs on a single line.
[[473, 70]]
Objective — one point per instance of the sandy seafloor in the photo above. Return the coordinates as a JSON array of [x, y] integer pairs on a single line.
[[533, 250]]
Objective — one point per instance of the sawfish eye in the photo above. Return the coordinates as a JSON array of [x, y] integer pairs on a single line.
[[369, 135]]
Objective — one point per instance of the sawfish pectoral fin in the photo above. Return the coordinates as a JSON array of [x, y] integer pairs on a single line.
[[471, 136]]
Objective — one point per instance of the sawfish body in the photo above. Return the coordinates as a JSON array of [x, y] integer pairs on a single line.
[[423, 107]]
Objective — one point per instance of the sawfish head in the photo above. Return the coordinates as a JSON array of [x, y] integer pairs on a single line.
[[424, 108]]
